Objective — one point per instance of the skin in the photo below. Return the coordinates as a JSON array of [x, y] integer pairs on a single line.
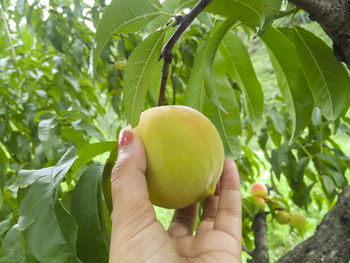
[[137, 236]]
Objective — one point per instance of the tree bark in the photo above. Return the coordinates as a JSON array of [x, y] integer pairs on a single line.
[[334, 18], [331, 242], [261, 251]]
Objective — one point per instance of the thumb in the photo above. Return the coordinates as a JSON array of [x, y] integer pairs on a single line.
[[129, 187]]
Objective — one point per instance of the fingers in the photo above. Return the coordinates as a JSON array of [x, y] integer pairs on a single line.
[[209, 211], [229, 214], [183, 221], [129, 188]]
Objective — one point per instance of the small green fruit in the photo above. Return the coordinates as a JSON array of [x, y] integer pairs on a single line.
[[185, 155], [282, 217], [297, 220]]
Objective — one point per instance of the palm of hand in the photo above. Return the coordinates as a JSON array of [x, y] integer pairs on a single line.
[[217, 239]]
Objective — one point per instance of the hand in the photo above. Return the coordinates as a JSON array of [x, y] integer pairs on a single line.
[[138, 237]]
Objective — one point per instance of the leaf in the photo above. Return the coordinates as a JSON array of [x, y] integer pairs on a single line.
[[194, 94], [239, 66], [13, 247], [209, 56], [228, 124], [41, 215], [122, 16], [89, 151], [291, 79], [250, 12], [338, 178], [328, 79], [278, 121], [87, 211], [106, 177], [328, 184], [48, 135], [138, 75]]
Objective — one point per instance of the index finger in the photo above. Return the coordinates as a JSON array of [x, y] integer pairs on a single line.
[[229, 215]]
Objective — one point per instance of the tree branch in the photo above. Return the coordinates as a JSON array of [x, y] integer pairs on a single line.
[[167, 53], [334, 17], [331, 242], [260, 253]]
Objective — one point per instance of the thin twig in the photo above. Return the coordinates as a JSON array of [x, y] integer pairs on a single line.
[[9, 36], [167, 53], [248, 251]]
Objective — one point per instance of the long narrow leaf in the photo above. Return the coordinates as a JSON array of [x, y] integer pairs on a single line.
[[138, 75], [328, 79], [239, 66], [291, 79], [86, 209]]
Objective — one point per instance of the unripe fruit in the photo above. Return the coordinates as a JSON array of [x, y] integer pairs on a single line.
[[282, 217], [120, 65], [261, 203], [185, 155], [258, 189], [297, 220]]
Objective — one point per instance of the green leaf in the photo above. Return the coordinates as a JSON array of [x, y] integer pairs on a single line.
[[250, 12], [138, 75], [328, 79], [228, 124], [106, 177], [48, 135], [122, 16], [328, 184], [338, 178], [41, 215], [87, 211], [239, 66], [209, 56], [194, 95], [278, 121], [90, 151], [13, 247], [291, 79]]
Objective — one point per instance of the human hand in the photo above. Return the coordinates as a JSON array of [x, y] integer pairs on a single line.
[[137, 236]]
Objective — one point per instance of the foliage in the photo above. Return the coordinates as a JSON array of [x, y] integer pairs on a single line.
[[56, 123]]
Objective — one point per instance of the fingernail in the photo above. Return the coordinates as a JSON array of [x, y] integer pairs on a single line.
[[125, 138]]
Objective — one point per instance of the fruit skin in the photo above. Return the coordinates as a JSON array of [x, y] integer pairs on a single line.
[[297, 220], [258, 190], [261, 203], [282, 217], [185, 155]]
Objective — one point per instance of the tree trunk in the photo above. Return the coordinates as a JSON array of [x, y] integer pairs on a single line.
[[331, 242], [334, 18]]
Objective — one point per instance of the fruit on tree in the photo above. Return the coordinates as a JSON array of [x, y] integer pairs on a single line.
[[261, 203], [297, 220], [282, 217], [185, 155], [258, 190]]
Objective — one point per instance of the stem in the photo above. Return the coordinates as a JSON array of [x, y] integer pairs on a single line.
[[9, 36], [167, 53]]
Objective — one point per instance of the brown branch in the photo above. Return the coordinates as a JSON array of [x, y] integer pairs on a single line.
[[260, 253], [167, 53], [334, 17]]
